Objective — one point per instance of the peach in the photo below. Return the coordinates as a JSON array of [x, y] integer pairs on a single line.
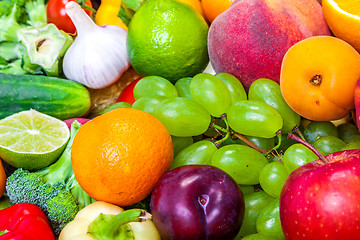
[[250, 39]]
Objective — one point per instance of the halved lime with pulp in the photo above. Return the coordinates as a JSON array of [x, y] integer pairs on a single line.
[[32, 140]]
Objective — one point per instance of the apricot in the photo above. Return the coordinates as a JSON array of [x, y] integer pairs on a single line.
[[251, 37], [318, 78]]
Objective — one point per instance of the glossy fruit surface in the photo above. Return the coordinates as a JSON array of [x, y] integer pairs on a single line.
[[297, 155], [321, 199], [254, 118], [55, 13], [317, 129], [211, 93], [147, 104], [118, 156], [272, 178], [197, 202], [268, 91], [328, 144], [200, 152], [268, 222], [343, 20], [234, 86], [242, 163], [183, 87], [213, 8], [182, 117], [254, 203], [318, 78], [154, 86], [178, 50], [127, 94]]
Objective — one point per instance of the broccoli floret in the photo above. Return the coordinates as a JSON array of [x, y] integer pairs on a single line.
[[62, 209], [49, 188]]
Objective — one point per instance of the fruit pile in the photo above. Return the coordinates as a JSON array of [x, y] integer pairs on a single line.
[[179, 119]]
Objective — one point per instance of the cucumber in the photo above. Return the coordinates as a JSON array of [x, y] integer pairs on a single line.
[[57, 97]]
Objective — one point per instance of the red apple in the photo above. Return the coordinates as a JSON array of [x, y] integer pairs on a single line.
[[197, 202], [322, 200]]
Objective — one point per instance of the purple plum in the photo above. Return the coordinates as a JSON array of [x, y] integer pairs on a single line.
[[197, 202]]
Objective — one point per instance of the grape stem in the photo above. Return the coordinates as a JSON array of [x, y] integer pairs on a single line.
[[308, 145], [226, 130], [297, 130], [249, 143]]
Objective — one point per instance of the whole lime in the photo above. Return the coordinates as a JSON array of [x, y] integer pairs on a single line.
[[167, 38]]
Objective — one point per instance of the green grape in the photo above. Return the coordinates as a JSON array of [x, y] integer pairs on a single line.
[[247, 189], [147, 104], [268, 91], [182, 117], [353, 138], [242, 163], [328, 144], [346, 130], [152, 86], [351, 145], [254, 118], [254, 202], [317, 129], [263, 143], [211, 93], [236, 89], [197, 153], [116, 105], [268, 221], [297, 155], [180, 143], [183, 87], [257, 236], [272, 178]]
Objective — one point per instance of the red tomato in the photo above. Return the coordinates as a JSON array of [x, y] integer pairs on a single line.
[[55, 13], [127, 95]]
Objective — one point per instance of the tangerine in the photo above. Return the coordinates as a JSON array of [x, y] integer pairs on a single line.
[[118, 156], [343, 18], [213, 8]]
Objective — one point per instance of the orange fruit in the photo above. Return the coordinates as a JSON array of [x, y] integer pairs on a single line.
[[213, 8], [2, 179], [343, 18], [195, 4], [318, 77], [118, 156]]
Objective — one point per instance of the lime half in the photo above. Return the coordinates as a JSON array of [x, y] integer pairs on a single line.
[[32, 140]]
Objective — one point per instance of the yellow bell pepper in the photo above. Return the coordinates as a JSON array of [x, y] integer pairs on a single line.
[[107, 14], [101, 220]]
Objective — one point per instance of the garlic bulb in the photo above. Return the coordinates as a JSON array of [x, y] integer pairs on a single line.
[[98, 55]]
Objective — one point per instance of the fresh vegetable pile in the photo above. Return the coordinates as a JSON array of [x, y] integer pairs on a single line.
[[179, 119]]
